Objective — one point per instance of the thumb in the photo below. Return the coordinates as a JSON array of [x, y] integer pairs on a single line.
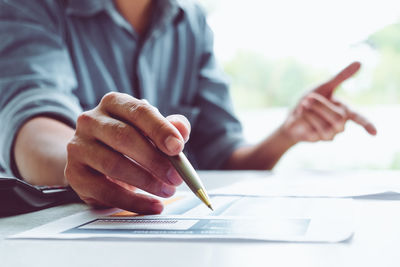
[[182, 124], [327, 89]]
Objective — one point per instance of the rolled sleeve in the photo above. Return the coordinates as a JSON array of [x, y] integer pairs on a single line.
[[217, 132], [36, 75]]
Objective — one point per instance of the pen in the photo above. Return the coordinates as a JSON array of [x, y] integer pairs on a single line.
[[190, 177]]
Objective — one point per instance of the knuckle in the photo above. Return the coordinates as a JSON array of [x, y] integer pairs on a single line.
[[302, 107], [339, 127], [68, 172], [84, 117], [311, 137], [329, 135], [342, 114], [143, 109], [121, 134], [139, 109], [304, 101], [84, 120], [339, 119], [325, 134], [109, 98], [339, 123], [71, 174], [312, 97], [73, 148]]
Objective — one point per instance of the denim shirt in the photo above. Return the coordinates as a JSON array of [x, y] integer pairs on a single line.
[[59, 58]]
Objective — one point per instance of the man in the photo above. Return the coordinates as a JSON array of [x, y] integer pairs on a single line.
[[72, 77]]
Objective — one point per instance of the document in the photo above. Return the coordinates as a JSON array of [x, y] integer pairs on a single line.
[[361, 184], [235, 217]]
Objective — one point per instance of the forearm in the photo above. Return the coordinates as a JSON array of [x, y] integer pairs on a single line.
[[40, 151], [262, 156]]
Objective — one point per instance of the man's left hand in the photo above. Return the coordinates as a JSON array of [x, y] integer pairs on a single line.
[[318, 116]]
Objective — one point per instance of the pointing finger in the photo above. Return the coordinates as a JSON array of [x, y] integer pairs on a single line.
[[345, 74], [361, 120], [328, 88], [146, 118]]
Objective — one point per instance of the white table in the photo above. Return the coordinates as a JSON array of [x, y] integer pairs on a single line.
[[376, 243]]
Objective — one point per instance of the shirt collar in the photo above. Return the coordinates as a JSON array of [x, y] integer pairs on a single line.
[[165, 11], [86, 8], [92, 7]]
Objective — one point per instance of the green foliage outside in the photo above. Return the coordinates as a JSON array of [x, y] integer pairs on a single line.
[[396, 162], [258, 82], [385, 86]]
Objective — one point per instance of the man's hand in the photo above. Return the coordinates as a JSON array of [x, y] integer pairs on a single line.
[[116, 148], [318, 116]]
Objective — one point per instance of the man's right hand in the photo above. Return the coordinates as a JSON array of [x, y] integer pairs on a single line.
[[116, 148]]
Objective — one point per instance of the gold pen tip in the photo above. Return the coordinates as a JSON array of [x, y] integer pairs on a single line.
[[211, 208]]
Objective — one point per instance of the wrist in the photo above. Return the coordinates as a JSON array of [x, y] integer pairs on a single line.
[[286, 138]]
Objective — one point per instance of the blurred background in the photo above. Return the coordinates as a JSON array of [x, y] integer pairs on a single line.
[[275, 51]]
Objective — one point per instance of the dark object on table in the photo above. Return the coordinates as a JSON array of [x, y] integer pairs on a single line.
[[17, 196]]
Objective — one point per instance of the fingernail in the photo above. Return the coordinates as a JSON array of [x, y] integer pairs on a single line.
[[186, 138], [173, 176], [168, 190], [173, 144]]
